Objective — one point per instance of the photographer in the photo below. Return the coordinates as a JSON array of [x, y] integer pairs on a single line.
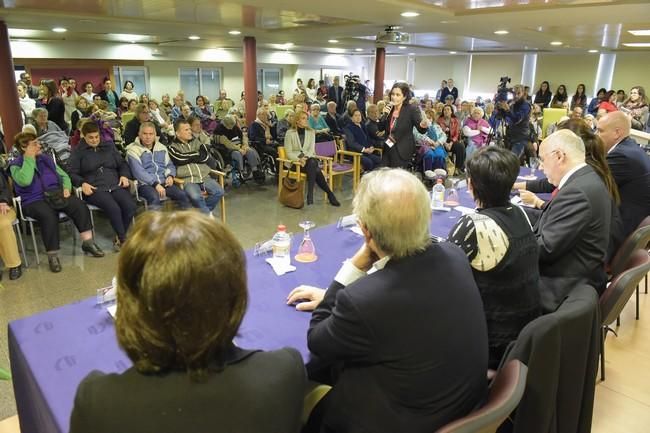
[[516, 115]]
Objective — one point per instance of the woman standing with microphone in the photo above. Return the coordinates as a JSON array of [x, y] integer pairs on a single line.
[[398, 120]]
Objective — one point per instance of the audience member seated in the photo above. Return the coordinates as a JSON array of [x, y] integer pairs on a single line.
[[153, 169], [560, 99], [103, 175], [319, 125], [431, 145], [82, 109], [260, 134], [123, 107], [579, 99], [630, 166], [165, 105], [595, 102], [501, 247], [608, 102], [144, 99], [41, 122], [128, 91], [208, 118], [51, 137], [132, 127], [543, 96], [411, 373], [350, 106], [160, 118], [8, 246], [193, 165], [576, 113], [45, 190], [300, 146], [357, 140], [182, 296], [284, 124], [54, 104], [177, 109], [335, 94], [636, 106], [375, 134], [230, 136], [451, 127], [573, 230], [27, 104], [620, 98], [333, 119], [477, 129]]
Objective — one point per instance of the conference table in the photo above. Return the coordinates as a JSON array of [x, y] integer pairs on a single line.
[[51, 352]]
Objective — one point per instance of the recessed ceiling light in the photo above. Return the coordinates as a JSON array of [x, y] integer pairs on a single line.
[[501, 32], [194, 37], [638, 45], [556, 43], [234, 32], [410, 14], [59, 30], [593, 51], [358, 49], [452, 52], [333, 41], [639, 32], [448, 22], [402, 47]]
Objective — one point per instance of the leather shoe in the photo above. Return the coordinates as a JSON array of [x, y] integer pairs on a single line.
[[55, 264], [92, 249], [15, 273], [332, 199]]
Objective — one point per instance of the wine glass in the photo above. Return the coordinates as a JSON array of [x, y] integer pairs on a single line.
[[533, 163], [307, 250], [451, 195]]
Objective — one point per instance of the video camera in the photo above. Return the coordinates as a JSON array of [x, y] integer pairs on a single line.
[[503, 90], [352, 82]]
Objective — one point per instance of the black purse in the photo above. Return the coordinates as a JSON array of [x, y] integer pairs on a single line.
[[54, 196]]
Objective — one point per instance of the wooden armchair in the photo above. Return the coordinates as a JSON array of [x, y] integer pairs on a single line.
[[220, 176], [337, 166], [297, 174]]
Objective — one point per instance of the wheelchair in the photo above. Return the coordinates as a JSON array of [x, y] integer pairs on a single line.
[[238, 175]]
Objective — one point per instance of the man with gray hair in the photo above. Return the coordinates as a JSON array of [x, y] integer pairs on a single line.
[[393, 319], [573, 230]]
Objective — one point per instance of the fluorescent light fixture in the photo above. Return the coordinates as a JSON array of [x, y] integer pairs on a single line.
[[410, 14], [128, 37], [234, 32], [402, 47], [501, 32], [593, 51], [20, 33], [411, 54], [638, 45], [59, 30], [556, 43], [358, 50], [639, 32], [453, 52], [333, 41], [194, 37]]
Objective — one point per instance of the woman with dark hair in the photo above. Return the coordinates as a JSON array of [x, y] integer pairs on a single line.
[[608, 103], [579, 99], [356, 140], [501, 247], [636, 106], [129, 91], [593, 105], [451, 127], [208, 118], [54, 104], [560, 98], [144, 99], [45, 190], [182, 295], [109, 95], [398, 120], [543, 95], [310, 90], [300, 146], [88, 92], [123, 107]]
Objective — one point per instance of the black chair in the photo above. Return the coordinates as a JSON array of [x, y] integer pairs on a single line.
[[616, 295]]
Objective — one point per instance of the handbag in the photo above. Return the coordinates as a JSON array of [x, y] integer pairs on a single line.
[[292, 193], [53, 197]]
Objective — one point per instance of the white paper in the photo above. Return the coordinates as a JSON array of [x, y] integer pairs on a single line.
[[527, 177], [465, 210], [279, 267], [519, 202], [441, 209], [112, 310], [356, 229]]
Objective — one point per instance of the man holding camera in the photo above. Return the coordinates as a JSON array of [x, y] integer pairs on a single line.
[[516, 114]]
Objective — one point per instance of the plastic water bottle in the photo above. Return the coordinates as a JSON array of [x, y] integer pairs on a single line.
[[282, 246], [438, 195]]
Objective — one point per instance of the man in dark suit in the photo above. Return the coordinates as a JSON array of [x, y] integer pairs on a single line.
[[573, 229], [630, 166], [333, 119], [375, 134], [403, 318], [335, 94]]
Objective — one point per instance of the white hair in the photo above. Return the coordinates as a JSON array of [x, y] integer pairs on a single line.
[[395, 208], [567, 141]]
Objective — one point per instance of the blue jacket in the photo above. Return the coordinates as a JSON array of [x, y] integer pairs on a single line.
[[356, 137], [149, 168]]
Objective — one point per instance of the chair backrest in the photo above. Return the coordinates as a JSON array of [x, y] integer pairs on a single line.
[[505, 393], [551, 115], [326, 148], [638, 239], [616, 295], [126, 117], [282, 154]]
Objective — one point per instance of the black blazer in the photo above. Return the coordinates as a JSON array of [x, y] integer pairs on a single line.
[[630, 166], [334, 124], [331, 96], [409, 117], [257, 392], [373, 129], [56, 112], [573, 233], [412, 339]]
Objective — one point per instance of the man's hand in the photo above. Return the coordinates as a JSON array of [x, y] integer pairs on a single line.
[[124, 182], [87, 189], [161, 191], [504, 106], [4, 208], [306, 298], [169, 181], [66, 193], [381, 133], [530, 199], [364, 258]]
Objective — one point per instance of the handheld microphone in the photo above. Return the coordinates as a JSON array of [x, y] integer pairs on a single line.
[[385, 114]]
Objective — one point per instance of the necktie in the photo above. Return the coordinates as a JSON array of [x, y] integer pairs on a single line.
[[554, 193]]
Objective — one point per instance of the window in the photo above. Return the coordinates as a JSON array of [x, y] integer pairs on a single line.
[[269, 81], [139, 75], [200, 81]]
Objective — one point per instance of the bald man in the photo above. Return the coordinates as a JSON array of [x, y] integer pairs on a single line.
[[573, 230], [630, 166]]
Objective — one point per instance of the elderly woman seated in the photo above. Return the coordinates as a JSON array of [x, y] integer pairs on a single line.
[[8, 246], [501, 248], [51, 136], [103, 176], [477, 129], [206, 113], [319, 125], [357, 140], [182, 295], [284, 124], [431, 148], [230, 136], [260, 133], [45, 190]]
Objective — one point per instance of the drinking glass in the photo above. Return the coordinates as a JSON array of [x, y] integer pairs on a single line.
[[307, 250]]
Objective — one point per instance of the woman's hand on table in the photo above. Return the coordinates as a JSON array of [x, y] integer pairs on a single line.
[[306, 298]]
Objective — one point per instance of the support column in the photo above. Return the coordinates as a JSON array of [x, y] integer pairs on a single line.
[[528, 69], [605, 73], [250, 78], [9, 105], [380, 65]]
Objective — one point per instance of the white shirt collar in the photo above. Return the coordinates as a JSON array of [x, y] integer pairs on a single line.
[[569, 173], [379, 265]]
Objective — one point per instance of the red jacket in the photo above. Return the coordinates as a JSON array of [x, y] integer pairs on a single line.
[[453, 131]]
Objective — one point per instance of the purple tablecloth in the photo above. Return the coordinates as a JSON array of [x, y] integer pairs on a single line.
[[51, 352]]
